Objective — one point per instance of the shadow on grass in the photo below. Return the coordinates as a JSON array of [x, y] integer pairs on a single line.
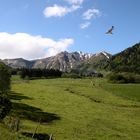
[[29, 112], [17, 96], [32, 113], [37, 136]]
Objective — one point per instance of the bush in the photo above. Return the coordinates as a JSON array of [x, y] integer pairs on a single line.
[[4, 79], [5, 106], [123, 78], [137, 78], [70, 75]]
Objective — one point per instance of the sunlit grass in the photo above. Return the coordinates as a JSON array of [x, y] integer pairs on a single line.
[[74, 109]]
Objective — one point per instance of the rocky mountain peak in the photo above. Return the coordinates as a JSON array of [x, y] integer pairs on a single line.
[[103, 53], [63, 61]]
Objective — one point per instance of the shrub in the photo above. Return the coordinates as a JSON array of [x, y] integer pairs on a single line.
[[137, 78], [123, 78], [5, 106], [70, 75], [4, 79]]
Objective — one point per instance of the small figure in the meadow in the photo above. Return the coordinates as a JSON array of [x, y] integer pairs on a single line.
[[92, 83], [110, 30]]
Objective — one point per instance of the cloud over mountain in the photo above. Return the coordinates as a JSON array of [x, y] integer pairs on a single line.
[[30, 47]]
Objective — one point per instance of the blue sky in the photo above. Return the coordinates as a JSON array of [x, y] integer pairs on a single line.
[[40, 28]]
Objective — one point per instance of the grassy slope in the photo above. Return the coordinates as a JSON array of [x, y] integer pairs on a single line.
[[74, 110]]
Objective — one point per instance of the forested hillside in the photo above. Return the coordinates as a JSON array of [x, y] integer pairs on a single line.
[[127, 60]]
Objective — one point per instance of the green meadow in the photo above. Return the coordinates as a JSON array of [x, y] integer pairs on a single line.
[[74, 109]]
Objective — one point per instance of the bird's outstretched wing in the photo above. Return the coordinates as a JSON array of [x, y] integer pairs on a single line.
[[110, 30]]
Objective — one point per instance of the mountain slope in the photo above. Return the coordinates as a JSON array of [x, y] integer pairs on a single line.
[[18, 63], [127, 60], [63, 61], [95, 62]]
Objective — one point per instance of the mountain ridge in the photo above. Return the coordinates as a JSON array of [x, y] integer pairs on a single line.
[[127, 60], [63, 61], [124, 61]]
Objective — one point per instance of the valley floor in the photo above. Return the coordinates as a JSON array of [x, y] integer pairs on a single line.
[[75, 109]]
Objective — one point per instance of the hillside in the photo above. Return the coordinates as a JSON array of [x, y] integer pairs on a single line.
[[94, 63], [63, 61], [127, 60], [18, 63]]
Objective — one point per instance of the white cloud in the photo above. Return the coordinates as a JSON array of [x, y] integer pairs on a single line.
[[75, 2], [85, 25], [59, 11], [56, 11], [30, 47], [91, 13]]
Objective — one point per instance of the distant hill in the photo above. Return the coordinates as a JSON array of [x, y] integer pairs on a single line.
[[127, 60], [18, 63], [94, 63], [63, 61]]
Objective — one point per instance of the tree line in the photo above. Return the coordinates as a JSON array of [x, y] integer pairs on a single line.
[[36, 73]]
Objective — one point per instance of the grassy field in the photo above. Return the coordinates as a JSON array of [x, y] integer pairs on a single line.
[[74, 109]]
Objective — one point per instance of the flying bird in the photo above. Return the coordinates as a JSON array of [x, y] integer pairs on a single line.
[[110, 30]]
